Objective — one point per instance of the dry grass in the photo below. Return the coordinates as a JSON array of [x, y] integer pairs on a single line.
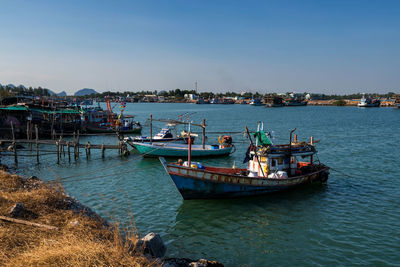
[[86, 243]]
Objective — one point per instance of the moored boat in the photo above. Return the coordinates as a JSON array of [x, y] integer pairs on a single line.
[[256, 102], [272, 168], [368, 102], [130, 128], [163, 149]]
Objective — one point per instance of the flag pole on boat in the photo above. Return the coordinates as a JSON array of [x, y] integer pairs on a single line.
[[290, 151], [190, 148]]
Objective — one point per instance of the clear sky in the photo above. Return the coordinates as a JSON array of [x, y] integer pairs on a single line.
[[267, 46]]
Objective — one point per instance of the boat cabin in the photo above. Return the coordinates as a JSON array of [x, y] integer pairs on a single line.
[[281, 161]]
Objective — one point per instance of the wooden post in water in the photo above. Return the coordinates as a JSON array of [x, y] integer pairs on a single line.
[[58, 152], [77, 140], [69, 155], [204, 133], [88, 143], [30, 133], [37, 143], [27, 130], [102, 150], [13, 144], [151, 128], [74, 146]]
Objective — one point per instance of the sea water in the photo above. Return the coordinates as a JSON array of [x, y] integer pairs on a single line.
[[352, 220]]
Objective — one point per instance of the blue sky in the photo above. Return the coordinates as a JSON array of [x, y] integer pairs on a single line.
[[266, 46]]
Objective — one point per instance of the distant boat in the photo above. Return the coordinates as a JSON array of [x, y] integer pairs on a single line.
[[163, 149], [202, 101], [368, 102], [214, 101], [256, 102], [272, 168], [273, 101], [295, 102], [135, 127]]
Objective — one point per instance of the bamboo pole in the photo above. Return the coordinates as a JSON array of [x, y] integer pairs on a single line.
[[8, 219]]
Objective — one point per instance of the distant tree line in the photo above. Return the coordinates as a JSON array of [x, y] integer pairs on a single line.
[[178, 94], [8, 91]]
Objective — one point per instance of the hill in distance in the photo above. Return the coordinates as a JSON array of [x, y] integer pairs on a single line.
[[63, 93], [85, 91]]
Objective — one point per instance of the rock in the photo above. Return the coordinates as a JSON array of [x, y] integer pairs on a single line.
[[183, 262], [74, 223], [205, 263], [3, 167], [17, 210], [151, 245], [33, 178]]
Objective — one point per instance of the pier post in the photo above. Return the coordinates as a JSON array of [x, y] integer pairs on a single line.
[[102, 150], [88, 144], [13, 144], [37, 143], [58, 152], [30, 133], [27, 130], [69, 152], [151, 128], [204, 133], [77, 140]]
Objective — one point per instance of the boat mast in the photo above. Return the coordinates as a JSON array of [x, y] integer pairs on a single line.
[[190, 148], [290, 151]]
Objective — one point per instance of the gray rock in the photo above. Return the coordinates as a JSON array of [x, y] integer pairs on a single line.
[[152, 245], [183, 262], [205, 263], [17, 210]]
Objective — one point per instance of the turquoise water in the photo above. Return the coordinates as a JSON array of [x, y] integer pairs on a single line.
[[353, 220]]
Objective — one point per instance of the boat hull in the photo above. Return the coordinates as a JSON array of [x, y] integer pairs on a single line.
[[201, 184], [177, 150], [368, 105], [147, 140]]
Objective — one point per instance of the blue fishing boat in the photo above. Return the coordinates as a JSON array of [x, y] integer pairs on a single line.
[[272, 168], [162, 149]]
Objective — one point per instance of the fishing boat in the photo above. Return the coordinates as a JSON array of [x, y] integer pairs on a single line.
[[368, 102], [130, 128], [98, 120], [271, 168], [165, 149], [273, 101]]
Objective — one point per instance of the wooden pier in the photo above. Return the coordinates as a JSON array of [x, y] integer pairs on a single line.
[[63, 147]]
